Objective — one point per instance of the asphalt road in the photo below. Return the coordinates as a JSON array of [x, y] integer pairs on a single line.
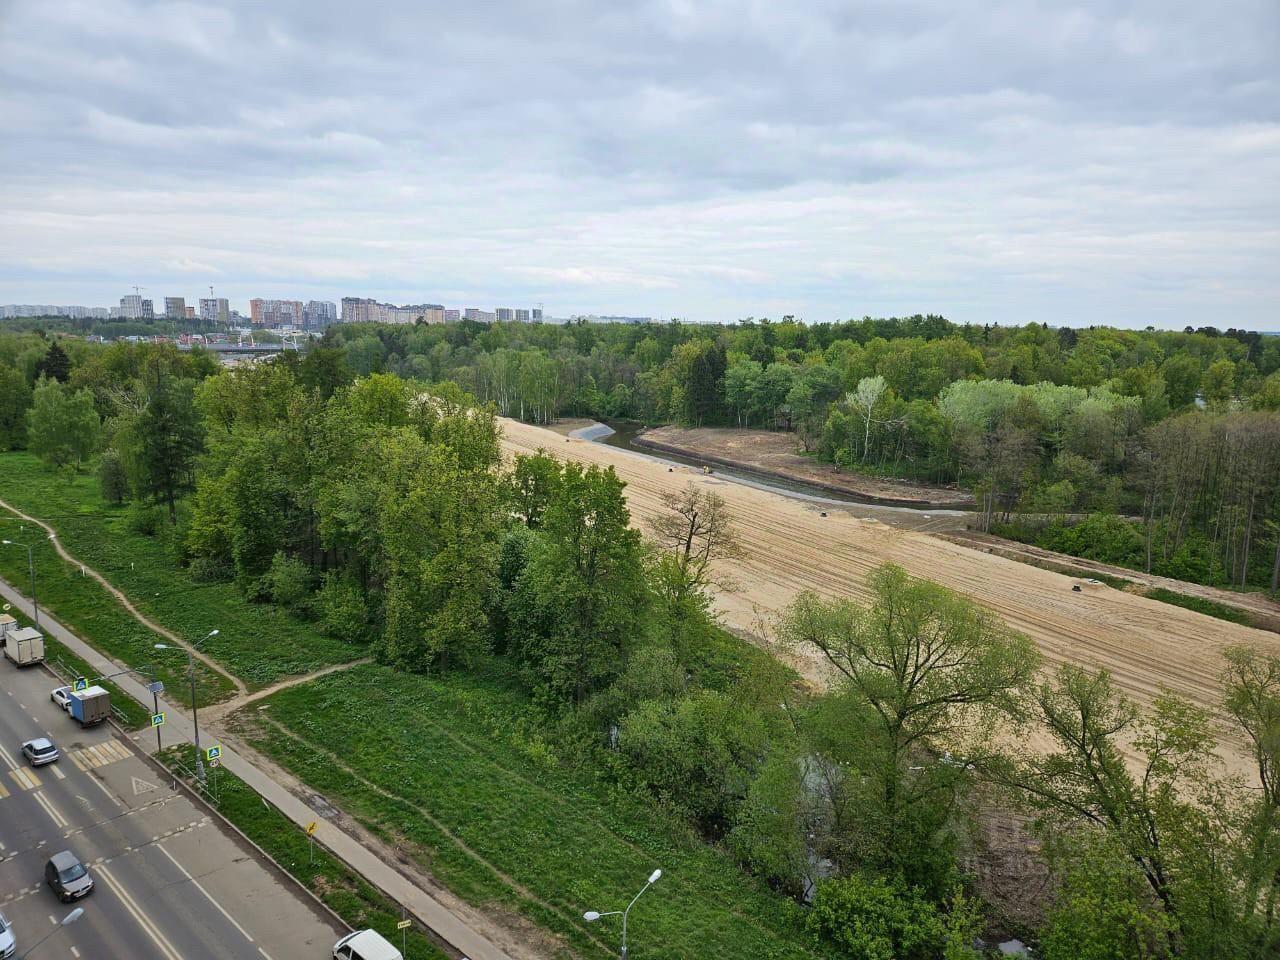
[[170, 883]]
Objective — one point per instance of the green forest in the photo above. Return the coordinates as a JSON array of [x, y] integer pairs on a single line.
[[1168, 442], [360, 490]]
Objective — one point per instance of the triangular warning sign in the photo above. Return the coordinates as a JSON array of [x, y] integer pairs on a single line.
[[142, 786]]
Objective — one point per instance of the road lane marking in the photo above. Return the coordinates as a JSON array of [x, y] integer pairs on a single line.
[[58, 819], [58, 773], [26, 779], [207, 894], [4, 792], [143, 920]]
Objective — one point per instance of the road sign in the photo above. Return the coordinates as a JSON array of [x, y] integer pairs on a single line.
[[311, 827], [215, 763], [157, 719], [213, 753], [80, 684], [156, 687], [403, 924]]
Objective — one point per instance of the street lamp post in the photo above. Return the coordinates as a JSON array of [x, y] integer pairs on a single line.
[[66, 921], [191, 675], [591, 915], [31, 569]]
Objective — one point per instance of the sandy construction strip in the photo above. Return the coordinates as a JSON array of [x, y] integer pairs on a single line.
[[791, 547]]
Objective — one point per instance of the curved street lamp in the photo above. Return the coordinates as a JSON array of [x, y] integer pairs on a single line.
[[591, 916], [66, 921]]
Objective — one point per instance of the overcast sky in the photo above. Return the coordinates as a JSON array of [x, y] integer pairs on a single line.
[[1097, 162]]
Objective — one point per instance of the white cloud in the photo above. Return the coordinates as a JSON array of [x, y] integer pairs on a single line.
[[710, 160]]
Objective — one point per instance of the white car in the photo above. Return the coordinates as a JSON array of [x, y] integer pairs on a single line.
[[40, 751], [62, 697], [8, 946], [365, 945]]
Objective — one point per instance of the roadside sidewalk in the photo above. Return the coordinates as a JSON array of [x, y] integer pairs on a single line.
[[178, 727]]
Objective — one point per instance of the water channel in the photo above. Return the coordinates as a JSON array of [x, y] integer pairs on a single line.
[[623, 433]]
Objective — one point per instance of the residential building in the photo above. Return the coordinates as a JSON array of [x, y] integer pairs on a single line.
[[522, 316], [215, 310], [452, 316], [366, 310], [189, 313], [131, 307], [537, 315], [148, 310], [318, 314], [175, 308], [480, 316], [505, 314], [275, 313]]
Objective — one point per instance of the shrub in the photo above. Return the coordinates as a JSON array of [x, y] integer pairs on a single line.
[[289, 582], [146, 519], [342, 610], [878, 919]]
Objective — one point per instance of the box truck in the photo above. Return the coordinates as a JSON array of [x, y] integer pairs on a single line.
[[90, 706], [24, 647]]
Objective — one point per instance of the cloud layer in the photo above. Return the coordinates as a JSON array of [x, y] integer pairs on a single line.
[[1094, 163]]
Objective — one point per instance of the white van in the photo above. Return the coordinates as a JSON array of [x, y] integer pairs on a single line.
[[365, 945]]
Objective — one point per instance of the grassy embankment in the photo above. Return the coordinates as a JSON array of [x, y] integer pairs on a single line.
[[337, 886], [453, 772], [257, 643], [1200, 605]]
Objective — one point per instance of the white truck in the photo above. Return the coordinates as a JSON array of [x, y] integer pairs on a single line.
[[24, 646]]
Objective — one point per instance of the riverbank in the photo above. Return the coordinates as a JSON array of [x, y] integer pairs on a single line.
[[773, 454]]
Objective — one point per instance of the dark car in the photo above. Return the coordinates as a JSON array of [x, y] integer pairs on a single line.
[[67, 876]]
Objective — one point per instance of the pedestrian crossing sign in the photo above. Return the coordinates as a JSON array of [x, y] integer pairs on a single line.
[[157, 719], [80, 684], [213, 753]]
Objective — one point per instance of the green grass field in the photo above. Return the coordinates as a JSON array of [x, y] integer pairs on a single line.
[[257, 643], [84, 607], [340, 888], [1200, 605], [452, 771]]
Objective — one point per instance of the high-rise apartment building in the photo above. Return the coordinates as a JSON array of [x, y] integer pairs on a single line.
[[366, 310], [275, 313], [537, 315], [190, 313], [215, 310], [480, 316], [522, 316], [318, 314], [452, 316], [148, 310], [175, 308], [505, 314], [131, 307]]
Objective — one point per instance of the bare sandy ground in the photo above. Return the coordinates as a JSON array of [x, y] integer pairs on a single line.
[[773, 452], [791, 547]]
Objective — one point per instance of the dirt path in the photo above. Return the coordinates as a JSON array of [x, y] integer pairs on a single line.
[[792, 547], [220, 710], [120, 598]]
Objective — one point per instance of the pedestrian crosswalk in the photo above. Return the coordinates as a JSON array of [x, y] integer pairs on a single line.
[[24, 778], [98, 755]]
